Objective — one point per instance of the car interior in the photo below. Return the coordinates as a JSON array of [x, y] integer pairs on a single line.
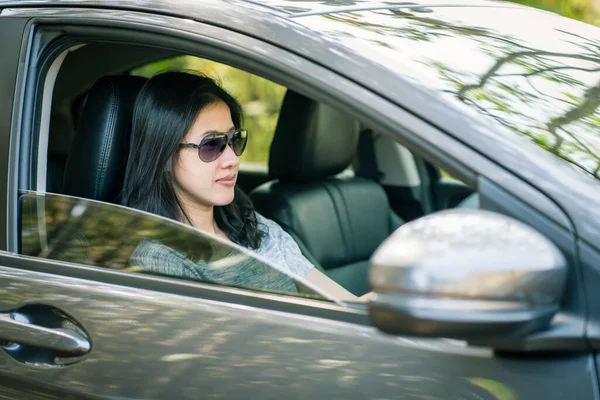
[[335, 185]]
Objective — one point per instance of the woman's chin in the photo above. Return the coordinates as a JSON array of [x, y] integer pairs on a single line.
[[225, 199]]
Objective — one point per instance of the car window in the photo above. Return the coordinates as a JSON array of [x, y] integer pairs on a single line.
[[105, 235], [260, 99]]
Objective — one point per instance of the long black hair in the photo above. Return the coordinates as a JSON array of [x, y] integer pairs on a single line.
[[164, 111]]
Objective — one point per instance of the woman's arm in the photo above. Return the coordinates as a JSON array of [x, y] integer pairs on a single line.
[[327, 285], [280, 246]]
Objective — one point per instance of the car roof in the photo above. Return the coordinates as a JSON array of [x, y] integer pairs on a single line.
[[287, 7], [504, 79], [296, 8]]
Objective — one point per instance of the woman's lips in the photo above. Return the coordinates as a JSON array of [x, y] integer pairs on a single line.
[[227, 181]]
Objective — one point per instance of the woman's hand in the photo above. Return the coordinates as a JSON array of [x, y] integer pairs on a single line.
[[366, 297], [326, 285]]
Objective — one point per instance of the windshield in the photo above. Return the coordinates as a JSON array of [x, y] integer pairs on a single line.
[[531, 72]]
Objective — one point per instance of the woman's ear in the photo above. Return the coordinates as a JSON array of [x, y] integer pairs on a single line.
[[170, 162]]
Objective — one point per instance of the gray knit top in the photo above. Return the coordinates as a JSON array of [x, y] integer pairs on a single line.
[[285, 266]]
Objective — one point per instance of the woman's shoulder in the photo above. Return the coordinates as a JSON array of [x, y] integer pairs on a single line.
[[279, 246], [268, 223], [273, 232]]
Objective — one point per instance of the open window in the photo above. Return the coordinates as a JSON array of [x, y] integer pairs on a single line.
[[336, 215]]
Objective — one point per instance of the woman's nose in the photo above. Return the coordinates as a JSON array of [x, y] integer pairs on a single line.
[[229, 158]]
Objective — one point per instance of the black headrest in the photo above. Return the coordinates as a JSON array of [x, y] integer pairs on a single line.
[[312, 140], [96, 163]]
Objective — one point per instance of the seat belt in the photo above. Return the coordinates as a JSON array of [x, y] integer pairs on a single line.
[[367, 161]]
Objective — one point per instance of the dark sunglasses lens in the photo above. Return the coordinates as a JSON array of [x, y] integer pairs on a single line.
[[238, 141], [211, 148]]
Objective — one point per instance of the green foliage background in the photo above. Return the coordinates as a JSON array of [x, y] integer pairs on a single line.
[[582, 10]]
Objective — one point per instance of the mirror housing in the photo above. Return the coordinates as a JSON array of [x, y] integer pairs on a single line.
[[465, 274]]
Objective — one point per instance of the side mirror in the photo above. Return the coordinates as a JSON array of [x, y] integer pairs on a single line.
[[466, 274]]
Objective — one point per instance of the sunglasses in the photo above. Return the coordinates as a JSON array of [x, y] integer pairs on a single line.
[[213, 145]]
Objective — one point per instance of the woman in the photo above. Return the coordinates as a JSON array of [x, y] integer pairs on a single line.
[[186, 141]]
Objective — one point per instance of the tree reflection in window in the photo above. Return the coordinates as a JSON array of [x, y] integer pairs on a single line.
[[105, 235], [543, 83]]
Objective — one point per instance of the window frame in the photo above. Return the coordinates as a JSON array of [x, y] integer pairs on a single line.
[[13, 54], [309, 84]]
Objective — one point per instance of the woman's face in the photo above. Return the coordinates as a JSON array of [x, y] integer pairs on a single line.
[[197, 183]]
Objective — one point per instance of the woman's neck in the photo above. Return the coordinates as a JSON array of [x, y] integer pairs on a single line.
[[203, 219], [200, 216]]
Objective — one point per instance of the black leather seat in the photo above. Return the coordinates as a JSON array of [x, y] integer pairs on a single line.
[[96, 164], [337, 222]]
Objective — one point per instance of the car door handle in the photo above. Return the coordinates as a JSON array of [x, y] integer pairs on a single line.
[[60, 340]]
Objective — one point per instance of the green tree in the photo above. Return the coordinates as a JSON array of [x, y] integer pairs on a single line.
[[581, 10]]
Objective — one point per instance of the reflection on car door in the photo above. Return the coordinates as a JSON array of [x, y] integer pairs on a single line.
[[128, 335]]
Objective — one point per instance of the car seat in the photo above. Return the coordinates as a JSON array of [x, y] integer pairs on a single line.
[[95, 166], [338, 222]]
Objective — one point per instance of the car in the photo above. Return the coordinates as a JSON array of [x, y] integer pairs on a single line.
[[444, 157]]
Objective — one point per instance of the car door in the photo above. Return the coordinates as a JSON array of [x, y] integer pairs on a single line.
[[92, 335], [79, 321], [76, 325]]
